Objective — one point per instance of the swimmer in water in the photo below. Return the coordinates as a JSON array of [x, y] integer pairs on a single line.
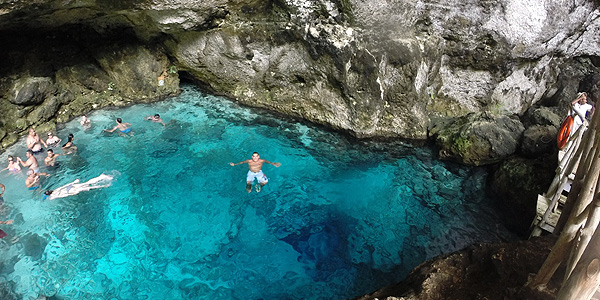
[[85, 122], [52, 140], [69, 147], [255, 171], [124, 128], [13, 165], [33, 179], [156, 119], [50, 160], [75, 187], [31, 161], [34, 143]]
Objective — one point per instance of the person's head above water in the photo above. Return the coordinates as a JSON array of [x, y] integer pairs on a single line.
[[119, 120], [71, 137], [255, 156], [50, 152]]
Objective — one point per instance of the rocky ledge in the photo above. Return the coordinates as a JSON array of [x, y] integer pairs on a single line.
[[484, 271], [410, 70]]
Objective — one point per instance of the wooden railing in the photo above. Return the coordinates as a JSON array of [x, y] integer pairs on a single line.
[[578, 245]]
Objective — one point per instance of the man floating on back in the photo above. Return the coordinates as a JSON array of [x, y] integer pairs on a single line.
[[255, 172]]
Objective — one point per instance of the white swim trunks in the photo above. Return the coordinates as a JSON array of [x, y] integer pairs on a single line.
[[262, 178]]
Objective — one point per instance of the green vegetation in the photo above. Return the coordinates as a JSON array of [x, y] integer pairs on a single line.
[[462, 144]]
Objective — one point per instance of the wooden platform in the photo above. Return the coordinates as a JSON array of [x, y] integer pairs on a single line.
[[542, 206]]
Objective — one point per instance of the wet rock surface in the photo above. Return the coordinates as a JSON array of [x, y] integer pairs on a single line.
[[515, 189], [479, 139], [373, 69], [484, 271]]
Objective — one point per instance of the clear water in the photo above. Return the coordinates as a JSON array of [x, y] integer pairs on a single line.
[[338, 219]]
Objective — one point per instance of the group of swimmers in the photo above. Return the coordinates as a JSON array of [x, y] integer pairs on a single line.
[[34, 145]]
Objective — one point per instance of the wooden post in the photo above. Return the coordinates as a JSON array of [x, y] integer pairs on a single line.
[[591, 224], [575, 218], [584, 280], [562, 170], [575, 221], [572, 204]]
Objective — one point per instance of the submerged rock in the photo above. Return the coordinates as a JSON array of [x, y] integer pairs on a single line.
[[33, 245]]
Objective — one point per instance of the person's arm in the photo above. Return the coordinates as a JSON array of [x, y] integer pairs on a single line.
[[577, 99], [42, 141], [3, 188], [7, 222], [241, 162], [271, 163], [24, 164], [114, 128]]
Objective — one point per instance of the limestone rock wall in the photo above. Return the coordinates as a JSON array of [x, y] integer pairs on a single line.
[[372, 68]]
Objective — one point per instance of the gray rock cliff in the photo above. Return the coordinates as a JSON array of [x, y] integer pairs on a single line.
[[372, 68]]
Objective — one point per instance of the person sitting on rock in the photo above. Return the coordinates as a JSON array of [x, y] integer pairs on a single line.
[[161, 78]]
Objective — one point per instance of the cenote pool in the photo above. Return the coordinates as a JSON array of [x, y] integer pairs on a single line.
[[338, 219]]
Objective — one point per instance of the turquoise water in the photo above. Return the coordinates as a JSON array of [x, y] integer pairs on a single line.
[[338, 219]]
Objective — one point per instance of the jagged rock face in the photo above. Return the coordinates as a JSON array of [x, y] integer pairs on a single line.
[[372, 68], [477, 139], [515, 189]]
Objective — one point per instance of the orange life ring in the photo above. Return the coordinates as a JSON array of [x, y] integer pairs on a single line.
[[564, 132]]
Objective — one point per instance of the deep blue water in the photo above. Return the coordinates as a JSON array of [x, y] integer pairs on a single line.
[[338, 219]]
